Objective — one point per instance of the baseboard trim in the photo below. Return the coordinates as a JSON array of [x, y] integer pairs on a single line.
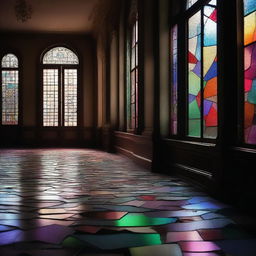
[[196, 171], [137, 158]]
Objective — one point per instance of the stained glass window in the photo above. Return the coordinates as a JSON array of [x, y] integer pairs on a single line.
[[174, 79], [133, 90], [60, 88], [60, 55], [9, 91], [250, 71], [202, 73]]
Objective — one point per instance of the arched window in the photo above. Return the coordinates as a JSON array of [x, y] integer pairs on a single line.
[[9, 90], [202, 119], [60, 85], [250, 71]]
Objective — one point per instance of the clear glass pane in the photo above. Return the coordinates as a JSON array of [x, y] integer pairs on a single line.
[[190, 3]]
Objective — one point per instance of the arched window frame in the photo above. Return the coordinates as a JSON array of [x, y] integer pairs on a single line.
[[59, 76], [182, 21], [16, 69]]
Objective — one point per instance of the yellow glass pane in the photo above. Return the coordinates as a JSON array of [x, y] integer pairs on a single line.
[[209, 56], [249, 28]]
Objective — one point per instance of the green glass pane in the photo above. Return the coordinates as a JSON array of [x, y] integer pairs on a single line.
[[194, 83], [194, 110], [194, 128], [252, 93]]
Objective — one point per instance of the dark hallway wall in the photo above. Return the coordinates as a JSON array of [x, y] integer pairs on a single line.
[[29, 48]]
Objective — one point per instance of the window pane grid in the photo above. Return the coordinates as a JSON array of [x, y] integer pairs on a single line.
[[10, 81], [50, 97], [10, 61], [70, 97]]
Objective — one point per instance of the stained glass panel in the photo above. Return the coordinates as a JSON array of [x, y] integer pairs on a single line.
[[210, 73], [50, 97], [133, 91], [70, 97], [194, 75], [10, 61], [249, 71], [174, 82], [202, 76], [60, 55], [190, 3], [10, 81]]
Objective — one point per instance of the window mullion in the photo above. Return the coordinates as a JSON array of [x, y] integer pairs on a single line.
[[202, 73]]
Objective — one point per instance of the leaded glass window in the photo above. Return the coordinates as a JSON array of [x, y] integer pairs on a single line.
[[60, 80], [174, 79], [133, 90], [250, 71], [9, 90], [202, 73]]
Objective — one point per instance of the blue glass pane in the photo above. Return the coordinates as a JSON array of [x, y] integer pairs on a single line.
[[249, 6]]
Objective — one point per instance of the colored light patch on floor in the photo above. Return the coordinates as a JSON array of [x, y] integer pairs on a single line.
[[140, 220], [198, 246], [122, 240], [183, 236], [163, 250], [205, 206]]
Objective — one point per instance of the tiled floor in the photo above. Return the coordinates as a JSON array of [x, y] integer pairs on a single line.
[[84, 202]]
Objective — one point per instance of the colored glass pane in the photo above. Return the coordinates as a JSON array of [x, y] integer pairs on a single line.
[[174, 85], [50, 97], [60, 55], [249, 28], [210, 73], [9, 61], [190, 3], [194, 75], [250, 71], [10, 81], [70, 97], [249, 6]]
